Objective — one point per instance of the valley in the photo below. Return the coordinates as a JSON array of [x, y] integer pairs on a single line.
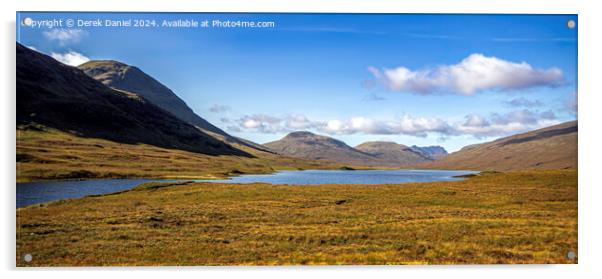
[[109, 120]]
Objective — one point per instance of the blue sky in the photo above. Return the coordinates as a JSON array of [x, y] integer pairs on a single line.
[[448, 80]]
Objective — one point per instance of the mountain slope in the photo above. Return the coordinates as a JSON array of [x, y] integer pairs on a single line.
[[63, 97], [310, 146], [121, 76], [434, 152], [554, 147], [393, 153]]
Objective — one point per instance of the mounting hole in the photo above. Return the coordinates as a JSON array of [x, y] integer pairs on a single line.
[[27, 258], [571, 255], [570, 24]]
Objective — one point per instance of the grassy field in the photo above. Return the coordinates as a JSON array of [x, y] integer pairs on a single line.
[[521, 217], [49, 154]]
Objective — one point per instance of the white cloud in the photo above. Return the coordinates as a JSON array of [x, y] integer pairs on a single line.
[[70, 58], [473, 125], [260, 123], [65, 36], [505, 124], [474, 120], [473, 74], [298, 122], [407, 125]]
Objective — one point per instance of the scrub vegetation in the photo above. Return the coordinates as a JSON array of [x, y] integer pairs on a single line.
[[514, 217]]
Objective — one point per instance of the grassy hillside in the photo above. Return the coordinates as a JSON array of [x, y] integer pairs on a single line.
[[522, 217], [45, 153], [553, 147]]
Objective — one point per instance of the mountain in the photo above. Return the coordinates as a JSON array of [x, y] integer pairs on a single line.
[[55, 95], [434, 152], [123, 77], [310, 146], [128, 78], [554, 147], [393, 153]]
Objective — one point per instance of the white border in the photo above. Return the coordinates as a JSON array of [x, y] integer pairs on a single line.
[[590, 136]]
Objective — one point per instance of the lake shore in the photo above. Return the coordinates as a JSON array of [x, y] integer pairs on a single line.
[[47, 191], [517, 217]]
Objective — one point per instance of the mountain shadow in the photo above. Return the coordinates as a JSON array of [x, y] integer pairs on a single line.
[[63, 97], [123, 77]]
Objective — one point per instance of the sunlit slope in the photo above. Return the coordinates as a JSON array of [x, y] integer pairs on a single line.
[[553, 147], [44, 153]]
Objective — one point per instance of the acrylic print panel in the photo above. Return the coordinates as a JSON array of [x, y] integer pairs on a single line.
[[295, 139]]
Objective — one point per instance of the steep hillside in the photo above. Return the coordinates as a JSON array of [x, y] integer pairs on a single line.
[[554, 147], [434, 152], [62, 97], [123, 77], [393, 153]]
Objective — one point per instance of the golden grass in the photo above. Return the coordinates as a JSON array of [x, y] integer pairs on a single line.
[[520, 217], [51, 154]]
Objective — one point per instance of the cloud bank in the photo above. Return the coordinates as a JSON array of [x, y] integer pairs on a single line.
[[70, 58], [474, 125], [473, 74]]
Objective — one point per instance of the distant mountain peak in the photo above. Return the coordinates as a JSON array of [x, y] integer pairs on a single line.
[[382, 143], [307, 145], [312, 139], [119, 75], [301, 134], [434, 151]]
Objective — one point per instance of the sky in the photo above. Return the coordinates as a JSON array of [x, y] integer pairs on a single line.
[[415, 79]]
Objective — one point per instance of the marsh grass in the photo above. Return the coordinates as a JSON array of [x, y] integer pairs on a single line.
[[520, 217]]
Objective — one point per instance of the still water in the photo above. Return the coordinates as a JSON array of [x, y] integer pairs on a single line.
[[45, 191]]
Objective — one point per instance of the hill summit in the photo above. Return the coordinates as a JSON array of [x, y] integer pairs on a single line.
[[310, 146]]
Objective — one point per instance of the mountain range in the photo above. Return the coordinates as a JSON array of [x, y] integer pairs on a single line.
[[310, 146], [434, 152], [118, 102]]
